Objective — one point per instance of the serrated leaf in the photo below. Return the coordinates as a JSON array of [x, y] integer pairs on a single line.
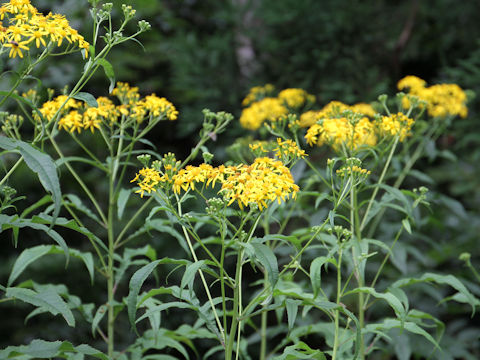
[[109, 72], [86, 97], [47, 299], [134, 286], [41, 164], [123, 196]]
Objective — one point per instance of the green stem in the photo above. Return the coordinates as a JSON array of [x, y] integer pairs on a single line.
[[11, 171], [202, 277], [118, 242], [385, 259], [235, 315], [380, 180], [80, 181], [263, 330], [356, 232], [110, 269], [413, 159], [337, 312]]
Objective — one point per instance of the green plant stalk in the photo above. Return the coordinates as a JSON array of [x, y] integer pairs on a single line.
[[80, 181], [337, 312], [11, 171], [202, 277], [235, 315], [263, 330], [415, 156], [385, 259], [111, 254], [118, 242], [380, 180], [356, 229]]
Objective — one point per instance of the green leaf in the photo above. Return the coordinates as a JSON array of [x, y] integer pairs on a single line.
[[300, 350], [135, 284], [189, 275], [292, 310], [87, 97], [32, 254], [72, 225], [316, 272], [47, 299], [99, 314], [407, 325], [7, 222], [41, 349], [27, 257], [74, 200], [268, 259], [391, 299], [108, 69], [122, 201], [444, 280], [42, 165], [406, 225]]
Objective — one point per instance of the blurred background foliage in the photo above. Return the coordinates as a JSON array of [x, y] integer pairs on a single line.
[[208, 53]]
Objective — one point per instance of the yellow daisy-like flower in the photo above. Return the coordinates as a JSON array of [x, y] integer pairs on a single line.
[[295, 98], [267, 109], [28, 26], [442, 99], [396, 124], [264, 181]]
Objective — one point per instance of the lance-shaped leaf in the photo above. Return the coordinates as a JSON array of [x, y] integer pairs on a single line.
[[41, 164]]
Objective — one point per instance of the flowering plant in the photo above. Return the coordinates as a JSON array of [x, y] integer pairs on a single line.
[[261, 232]]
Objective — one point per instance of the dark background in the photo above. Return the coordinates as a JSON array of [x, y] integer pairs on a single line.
[[208, 53]]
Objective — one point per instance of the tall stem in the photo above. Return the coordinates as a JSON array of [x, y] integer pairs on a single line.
[[111, 253], [356, 230], [380, 180], [337, 312], [235, 315]]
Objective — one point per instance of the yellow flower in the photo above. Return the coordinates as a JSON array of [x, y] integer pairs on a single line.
[[396, 124], [441, 99], [16, 48], [257, 93], [27, 25], [267, 109], [295, 98], [262, 182]]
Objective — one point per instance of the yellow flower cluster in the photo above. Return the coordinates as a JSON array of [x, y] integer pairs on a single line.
[[395, 124], [296, 98], [264, 181], [288, 149], [284, 150], [263, 108], [339, 132], [23, 26], [78, 116], [267, 109], [257, 93], [334, 109], [441, 99]]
